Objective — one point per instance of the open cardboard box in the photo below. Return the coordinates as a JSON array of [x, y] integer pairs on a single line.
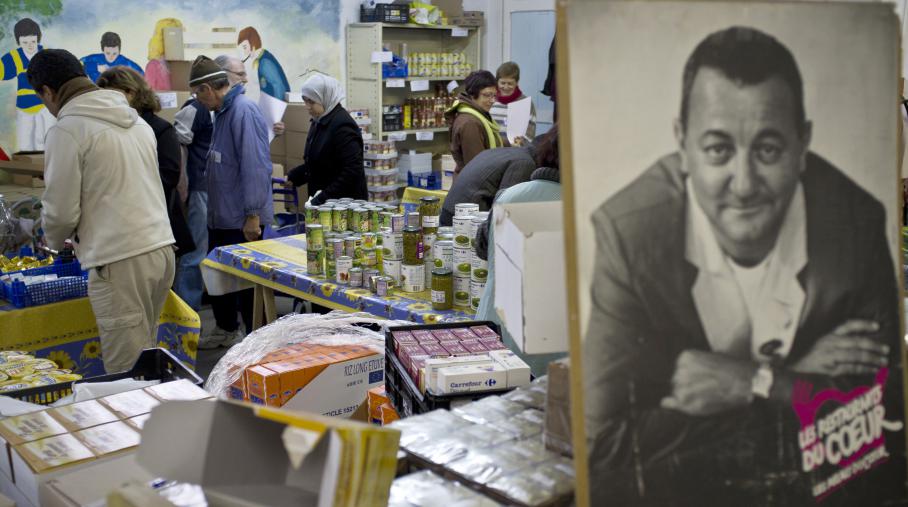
[[171, 103], [90, 486], [530, 291], [31, 164], [245, 456]]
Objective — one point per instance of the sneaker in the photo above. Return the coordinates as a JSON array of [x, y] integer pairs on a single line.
[[220, 338]]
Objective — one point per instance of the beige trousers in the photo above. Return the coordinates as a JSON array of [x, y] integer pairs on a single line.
[[127, 297]]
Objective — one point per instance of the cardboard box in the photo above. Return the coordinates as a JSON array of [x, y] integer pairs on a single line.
[[89, 486], [173, 43], [451, 8], [11, 491], [28, 180], [472, 378], [171, 103], [279, 146], [82, 415], [296, 118], [376, 398], [433, 366], [178, 390], [518, 370], [530, 292], [242, 456], [296, 143], [179, 74], [130, 403], [24, 164], [557, 428], [469, 19], [26, 428], [109, 438]]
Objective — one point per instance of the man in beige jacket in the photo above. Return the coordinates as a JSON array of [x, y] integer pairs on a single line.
[[104, 192]]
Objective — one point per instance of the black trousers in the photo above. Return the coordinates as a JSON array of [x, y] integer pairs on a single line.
[[225, 307]]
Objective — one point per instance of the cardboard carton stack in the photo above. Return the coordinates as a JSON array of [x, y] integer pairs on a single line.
[[328, 380], [42, 445]]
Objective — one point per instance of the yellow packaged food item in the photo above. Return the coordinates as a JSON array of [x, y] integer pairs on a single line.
[[17, 369], [65, 377], [4, 377], [43, 365], [13, 385], [39, 380]]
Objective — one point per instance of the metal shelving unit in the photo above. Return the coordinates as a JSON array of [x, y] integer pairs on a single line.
[[366, 89]]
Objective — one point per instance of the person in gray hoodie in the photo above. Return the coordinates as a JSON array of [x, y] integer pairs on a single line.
[[103, 191]]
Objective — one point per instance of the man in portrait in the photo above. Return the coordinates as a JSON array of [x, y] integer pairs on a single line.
[[734, 280]]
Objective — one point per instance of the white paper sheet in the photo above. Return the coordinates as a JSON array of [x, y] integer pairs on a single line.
[[452, 85], [273, 111], [381, 56], [420, 85], [395, 83], [518, 118], [168, 100], [425, 135]]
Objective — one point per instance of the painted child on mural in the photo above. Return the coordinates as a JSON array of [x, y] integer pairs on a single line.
[[32, 118], [263, 65], [110, 56]]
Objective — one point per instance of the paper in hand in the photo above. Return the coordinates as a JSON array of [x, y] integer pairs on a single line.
[[518, 118], [273, 111]]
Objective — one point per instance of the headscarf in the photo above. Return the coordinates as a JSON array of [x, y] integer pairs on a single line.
[[323, 89]]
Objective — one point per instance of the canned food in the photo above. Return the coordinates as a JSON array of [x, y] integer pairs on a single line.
[[442, 289], [429, 212], [428, 242], [392, 245], [369, 259], [398, 222], [462, 226], [446, 231], [465, 209], [369, 276], [374, 219], [315, 237], [315, 260], [335, 248], [331, 269], [413, 277], [462, 292], [339, 218], [353, 246], [413, 247], [354, 219], [311, 214], [344, 265], [356, 277], [476, 290], [391, 267], [443, 254], [325, 217], [413, 219], [384, 219], [477, 222], [383, 285], [369, 240], [462, 265]]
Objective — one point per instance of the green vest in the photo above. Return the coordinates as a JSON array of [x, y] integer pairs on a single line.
[[491, 127]]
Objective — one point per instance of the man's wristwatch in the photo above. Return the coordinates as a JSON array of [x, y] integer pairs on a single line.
[[761, 383]]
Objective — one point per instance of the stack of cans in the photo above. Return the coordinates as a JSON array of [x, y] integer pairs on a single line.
[[463, 251]]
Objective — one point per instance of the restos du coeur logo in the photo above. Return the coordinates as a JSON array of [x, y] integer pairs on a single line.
[[849, 438]]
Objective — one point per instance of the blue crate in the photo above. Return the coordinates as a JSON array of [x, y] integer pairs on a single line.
[[37, 294], [73, 283]]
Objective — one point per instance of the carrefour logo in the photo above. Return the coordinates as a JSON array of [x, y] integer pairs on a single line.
[[491, 382]]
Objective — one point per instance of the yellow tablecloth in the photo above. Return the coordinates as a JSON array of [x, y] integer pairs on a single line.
[[66, 332]]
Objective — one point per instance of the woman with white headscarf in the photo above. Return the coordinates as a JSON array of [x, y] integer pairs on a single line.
[[333, 155]]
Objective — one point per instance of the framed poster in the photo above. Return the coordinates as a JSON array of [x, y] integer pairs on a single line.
[[731, 203]]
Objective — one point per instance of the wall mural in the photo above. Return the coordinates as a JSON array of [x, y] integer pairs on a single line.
[[277, 49]]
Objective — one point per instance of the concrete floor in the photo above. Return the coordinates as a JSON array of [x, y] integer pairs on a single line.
[[206, 360]]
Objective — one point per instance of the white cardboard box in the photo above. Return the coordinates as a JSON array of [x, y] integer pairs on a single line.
[[238, 458], [90, 486], [340, 388], [530, 291]]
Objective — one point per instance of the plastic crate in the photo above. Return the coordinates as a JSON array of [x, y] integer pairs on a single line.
[[58, 268], [153, 364], [37, 294], [385, 13], [404, 393]]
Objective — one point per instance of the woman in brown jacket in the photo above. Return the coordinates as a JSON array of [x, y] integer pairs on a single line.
[[472, 128]]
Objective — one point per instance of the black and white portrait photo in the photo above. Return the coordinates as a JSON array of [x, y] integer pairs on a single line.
[[734, 197]]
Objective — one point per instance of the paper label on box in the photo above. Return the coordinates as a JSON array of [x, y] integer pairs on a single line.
[[452, 85], [395, 83], [83, 415], [459, 32], [54, 452], [381, 56], [425, 136], [433, 366], [339, 389], [168, 100], [397, 136], [109, 438], [179, 390], [473, 378], [30, 427], [130, 403], [419, 85]]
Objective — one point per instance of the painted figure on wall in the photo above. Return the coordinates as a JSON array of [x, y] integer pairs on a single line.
[[110, 56], [262, 64], [156, 71], [32, 118]]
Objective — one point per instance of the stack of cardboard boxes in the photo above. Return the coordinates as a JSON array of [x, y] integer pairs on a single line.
[[42, 445]]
